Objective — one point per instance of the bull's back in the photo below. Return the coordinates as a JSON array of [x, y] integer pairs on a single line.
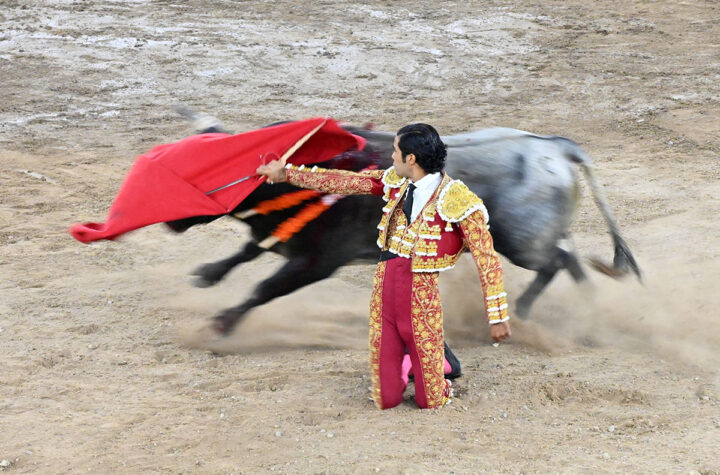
[[528, 184]]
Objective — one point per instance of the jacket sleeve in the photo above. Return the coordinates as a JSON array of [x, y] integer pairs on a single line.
[[341, 182], [480, 242]]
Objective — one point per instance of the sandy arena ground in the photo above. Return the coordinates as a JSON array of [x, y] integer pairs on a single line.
[[103, 362]]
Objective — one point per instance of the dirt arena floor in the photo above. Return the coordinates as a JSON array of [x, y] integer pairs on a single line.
[[104, 363]]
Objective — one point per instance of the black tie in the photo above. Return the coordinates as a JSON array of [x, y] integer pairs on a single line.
[[407, 206]]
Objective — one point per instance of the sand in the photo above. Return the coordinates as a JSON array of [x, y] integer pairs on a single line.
[[105, 363]]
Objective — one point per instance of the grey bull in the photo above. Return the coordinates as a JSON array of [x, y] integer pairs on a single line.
[[529, 184]]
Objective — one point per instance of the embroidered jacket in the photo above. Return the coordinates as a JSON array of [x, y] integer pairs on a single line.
[[453, 218]]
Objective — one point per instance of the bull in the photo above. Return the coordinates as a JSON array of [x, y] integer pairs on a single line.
[[529, 184]]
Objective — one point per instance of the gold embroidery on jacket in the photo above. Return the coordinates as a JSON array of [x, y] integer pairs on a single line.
[[428, 231], [456, 202], [435, 263], [392, 179], [420, 240], [480, 242], [426, 248], [333, 181], [390, 222]]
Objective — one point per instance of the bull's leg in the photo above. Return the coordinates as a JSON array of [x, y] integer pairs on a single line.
[[211, 273], [572, 264], [562, 260], [295, 274], [542, 279]]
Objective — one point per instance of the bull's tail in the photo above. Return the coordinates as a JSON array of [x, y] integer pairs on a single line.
[[623, 262]]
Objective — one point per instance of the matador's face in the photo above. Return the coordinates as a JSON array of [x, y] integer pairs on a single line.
[[402, 168]]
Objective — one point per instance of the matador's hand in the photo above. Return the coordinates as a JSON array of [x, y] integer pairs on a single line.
[[275, 171], [500, 331]]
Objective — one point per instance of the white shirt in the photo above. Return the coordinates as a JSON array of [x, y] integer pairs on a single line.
[[426, 186]]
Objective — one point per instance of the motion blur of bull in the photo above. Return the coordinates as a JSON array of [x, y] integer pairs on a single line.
[[529, 184]]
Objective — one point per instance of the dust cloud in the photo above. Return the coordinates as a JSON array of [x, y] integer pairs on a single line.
[[672, 315]]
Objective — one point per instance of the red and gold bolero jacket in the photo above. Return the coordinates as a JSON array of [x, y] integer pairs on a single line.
[[454, 218]]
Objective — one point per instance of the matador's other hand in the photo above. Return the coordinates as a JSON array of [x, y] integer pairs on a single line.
[[500, 331], [275, 171]]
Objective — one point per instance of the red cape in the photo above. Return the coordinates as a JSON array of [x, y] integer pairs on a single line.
[[177, 180]]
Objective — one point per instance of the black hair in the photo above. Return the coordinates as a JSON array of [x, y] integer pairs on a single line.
[[423, 141]]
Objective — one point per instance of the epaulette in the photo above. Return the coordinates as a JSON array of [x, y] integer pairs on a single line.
[[392, 179], [456, 202]]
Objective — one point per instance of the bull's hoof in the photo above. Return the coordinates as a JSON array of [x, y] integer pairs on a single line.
[[225, 322], [207, 275], [201, 282]]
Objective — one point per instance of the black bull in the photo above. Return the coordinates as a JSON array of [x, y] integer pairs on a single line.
[[529, 184]]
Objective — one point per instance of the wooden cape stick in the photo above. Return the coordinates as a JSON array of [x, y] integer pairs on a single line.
[[271, 240], [283, 159], [301, 142]]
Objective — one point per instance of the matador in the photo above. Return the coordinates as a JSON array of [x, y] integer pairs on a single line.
[[428, 220]]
